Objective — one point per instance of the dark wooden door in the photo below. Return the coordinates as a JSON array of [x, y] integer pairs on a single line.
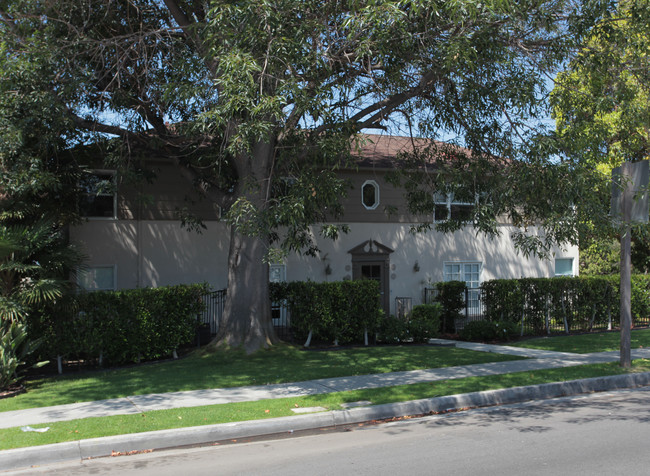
[[377, 271]]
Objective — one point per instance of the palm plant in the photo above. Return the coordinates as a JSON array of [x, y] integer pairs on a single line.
[[34, 264]]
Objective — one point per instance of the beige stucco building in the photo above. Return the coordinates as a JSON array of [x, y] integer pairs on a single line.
[[133, 243]]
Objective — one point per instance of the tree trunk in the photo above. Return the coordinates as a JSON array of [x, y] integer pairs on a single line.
[[247, 312]]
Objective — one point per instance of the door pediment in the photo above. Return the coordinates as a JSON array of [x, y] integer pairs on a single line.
[[370, 248]]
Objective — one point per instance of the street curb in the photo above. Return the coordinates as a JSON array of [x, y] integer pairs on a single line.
[[156, 440]]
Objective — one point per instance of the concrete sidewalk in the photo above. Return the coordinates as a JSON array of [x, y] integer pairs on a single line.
[[535, 360]]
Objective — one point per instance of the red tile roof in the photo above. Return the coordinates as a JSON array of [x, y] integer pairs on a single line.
[[381, 150]]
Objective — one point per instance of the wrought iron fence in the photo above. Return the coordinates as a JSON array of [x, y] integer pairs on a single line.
[[403, 307], [214, 302], [568, 318], [281, 320], [213, 311], [472, 311], [571, 319]]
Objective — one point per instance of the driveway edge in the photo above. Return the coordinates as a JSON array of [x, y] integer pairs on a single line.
[[157, 440]]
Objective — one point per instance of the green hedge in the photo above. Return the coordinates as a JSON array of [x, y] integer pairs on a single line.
[[120, 326], [424, 322], [421, 324], [563, 304], [339, 311], [486, 331], [451, 296]]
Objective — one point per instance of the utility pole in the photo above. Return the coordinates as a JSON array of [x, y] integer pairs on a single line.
[[626, 264], [630, 204]]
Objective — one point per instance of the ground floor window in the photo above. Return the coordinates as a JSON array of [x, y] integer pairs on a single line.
[[278, 274], [470, 273], [563, 266], [97, 278]]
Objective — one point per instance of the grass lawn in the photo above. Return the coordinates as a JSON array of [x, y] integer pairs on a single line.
[[233, 368], [587, 343], [185, 417]]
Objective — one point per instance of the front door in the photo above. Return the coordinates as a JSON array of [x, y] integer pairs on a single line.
[[378, 271]]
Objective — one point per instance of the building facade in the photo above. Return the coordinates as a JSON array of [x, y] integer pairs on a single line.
[[134, 238]]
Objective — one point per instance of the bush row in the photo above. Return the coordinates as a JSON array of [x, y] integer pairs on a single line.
[[486, 331], [422, 324], [339, 311], [120, 326], [451, 296], [542, 305]]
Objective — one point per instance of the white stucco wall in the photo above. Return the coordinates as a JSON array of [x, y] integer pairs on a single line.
[[498, 257], [158, 253]]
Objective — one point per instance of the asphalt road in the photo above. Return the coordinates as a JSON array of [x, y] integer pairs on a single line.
[[600, 434]]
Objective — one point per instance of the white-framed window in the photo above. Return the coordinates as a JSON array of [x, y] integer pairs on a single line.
[[370, 194], [446, 207], [99, 195], [277, 273], [470, 273], [98, 278], [563, 266]]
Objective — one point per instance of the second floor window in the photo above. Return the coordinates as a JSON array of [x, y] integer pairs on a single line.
[[99, 195], [370, 194], [447, 207]]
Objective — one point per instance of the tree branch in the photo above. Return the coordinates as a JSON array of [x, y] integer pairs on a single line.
[[188, 27]]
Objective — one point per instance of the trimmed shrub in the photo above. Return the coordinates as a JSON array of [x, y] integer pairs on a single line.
[[451, 296], [339, 311], [121, 326], [503, 300], [482, 331], [393, 330], [424, 322], [545, 305]]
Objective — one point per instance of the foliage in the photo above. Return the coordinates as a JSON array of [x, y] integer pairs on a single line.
[[33, 266], [424, 322], [421, 325], [487, 331], [121, 326], [544, 305], [502, 300], [240, 95], [32, 261], [601, 108], [600, 257], [333, 311], [601, 102], [603, 256], [451, 296], [393, 330], [15, 347]]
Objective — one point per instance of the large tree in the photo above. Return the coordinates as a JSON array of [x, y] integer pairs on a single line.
[[602, 109], [601, 105], [237, 95]]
